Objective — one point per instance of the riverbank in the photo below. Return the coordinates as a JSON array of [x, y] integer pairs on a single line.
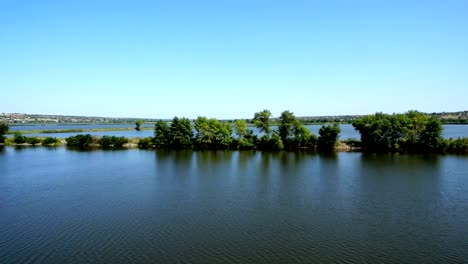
[[76, 130]]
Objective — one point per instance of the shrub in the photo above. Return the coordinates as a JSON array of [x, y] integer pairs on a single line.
[[48, 141], [3, 130], [275, 142], [456, 146], [328, 137], [112, 141], [79, 140], [32, 140], [120, 141], [105, 141], [18, 138], [145, 143]]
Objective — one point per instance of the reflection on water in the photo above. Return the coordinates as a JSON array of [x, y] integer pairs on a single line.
[[62, 205]]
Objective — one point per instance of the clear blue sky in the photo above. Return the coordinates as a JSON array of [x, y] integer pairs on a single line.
[[229, 59]]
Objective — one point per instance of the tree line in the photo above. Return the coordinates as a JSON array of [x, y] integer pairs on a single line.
[[412, 131], [210, 133]]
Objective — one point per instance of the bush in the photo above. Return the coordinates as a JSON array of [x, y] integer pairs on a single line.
[[3, 130], [79, 140], [145, 143], [48, 141], [18, 138], [275, 142], [105, 141], [456, 146], [244, 143], [328, 137], [33, 140], [112, 141], [412, 131]]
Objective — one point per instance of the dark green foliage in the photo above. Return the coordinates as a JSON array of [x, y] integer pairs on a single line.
[[302, 137], [270, 143], [181, 132], [32, 140], [145, 143], [240, 127], [3, 130], [431, 136], [286, 123], [411, 131], [293, 133], [48, 141], [275, 142], [79, 140], [118, 142], [328, 136], [138, 124], [18, 138], [354, 143], [456, 146], [245, 137], [162, 134], [112, 141], [262, 121], [212, 134]]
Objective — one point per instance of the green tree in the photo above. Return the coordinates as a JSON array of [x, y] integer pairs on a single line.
[[162, 134], [224, 138], [138, 124], [411, 131], [112, 141], [431, 137], [181, 132], [145, 143], [240, 128], [211, 133], [286, 122], [329, 135], [49, 141], [204, 137], [3, 130], [262, 121], [303, 138], [275, 142], [33, 140], [18, 138], [79, 140]]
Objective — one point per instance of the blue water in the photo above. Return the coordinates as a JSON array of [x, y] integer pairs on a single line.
[[134, 206]]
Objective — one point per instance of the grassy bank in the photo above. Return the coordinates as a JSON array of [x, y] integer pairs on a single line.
[[54, 131]]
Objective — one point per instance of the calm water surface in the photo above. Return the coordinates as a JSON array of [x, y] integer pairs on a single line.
[[133, 206]]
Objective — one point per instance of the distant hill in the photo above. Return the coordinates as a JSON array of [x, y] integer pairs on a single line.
[[460, 117], [17, 118]]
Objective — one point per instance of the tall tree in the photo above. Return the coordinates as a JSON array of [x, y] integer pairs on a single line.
[[286, 123], [203, 138], [328, 136], [181, 132], [3, 130], [162, 134], [138, 124], [262, 121], [240, 127]]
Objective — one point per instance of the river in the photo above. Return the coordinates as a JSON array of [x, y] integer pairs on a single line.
[[135, 206]]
